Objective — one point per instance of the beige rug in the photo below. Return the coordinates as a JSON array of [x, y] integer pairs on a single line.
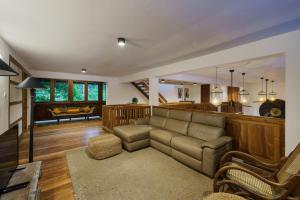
[[142, 175]]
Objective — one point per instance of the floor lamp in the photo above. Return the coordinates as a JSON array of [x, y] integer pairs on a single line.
[[32, 84]]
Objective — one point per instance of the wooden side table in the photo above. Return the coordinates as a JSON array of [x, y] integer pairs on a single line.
[[31, 173]]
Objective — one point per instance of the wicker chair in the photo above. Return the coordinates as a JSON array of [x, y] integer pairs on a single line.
[[260, 180]]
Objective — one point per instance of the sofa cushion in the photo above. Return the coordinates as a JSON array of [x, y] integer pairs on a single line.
[[158, 121], [180, 115], [132, 133], [188, 145], [204, 132], [209, 119], [177, 126], [162, 112], [163, 136]]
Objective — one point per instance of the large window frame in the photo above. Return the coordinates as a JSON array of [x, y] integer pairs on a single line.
[[70, 98]]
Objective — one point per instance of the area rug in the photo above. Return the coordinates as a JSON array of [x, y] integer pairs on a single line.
[[141, 175]]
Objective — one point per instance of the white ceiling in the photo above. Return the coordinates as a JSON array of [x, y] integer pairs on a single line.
[[67, 35], [272, 67]]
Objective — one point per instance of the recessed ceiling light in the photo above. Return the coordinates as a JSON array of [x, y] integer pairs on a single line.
[[83, 70], [121, 42]]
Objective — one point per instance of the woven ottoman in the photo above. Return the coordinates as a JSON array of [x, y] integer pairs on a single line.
[[104, 146], [223, 196]]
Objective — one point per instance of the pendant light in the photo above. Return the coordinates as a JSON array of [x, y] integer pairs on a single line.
[[244, 94], [272, 94], [216, 94], [262, 94]]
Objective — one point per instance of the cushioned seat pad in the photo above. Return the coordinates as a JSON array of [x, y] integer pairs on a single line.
[[132, 133], [163, 136], [188, 145]]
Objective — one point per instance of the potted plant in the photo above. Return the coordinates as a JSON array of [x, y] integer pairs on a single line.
[[134, 100]]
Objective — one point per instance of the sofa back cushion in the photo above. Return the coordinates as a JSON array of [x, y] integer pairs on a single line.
[[158, 121], [177, 126], [204, 132], [180, 115], [161, 112], [209, 119]]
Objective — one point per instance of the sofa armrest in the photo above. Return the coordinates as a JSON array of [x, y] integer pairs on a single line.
[[217, 143], [212, 153], [52, 113]]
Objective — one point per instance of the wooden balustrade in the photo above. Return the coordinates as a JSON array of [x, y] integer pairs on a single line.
[[195, 106], [115, 115], [263, 137]]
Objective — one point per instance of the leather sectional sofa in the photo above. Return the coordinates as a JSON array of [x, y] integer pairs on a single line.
[[193, 138]]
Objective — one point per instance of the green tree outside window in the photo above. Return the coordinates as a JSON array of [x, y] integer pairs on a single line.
[[78, 91], [93, 92], [61, 91], [104, 92], [43, 95]]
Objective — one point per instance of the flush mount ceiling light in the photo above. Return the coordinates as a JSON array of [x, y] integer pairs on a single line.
[[163, 80], [121, 42], [216, 93], [83, 71], [194, 83], [244, 94]]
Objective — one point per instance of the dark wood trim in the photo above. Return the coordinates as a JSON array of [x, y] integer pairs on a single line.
[[15, 122], [13, 60], [15, 103], [13, 82]]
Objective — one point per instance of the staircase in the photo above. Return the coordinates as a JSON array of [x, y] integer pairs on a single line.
[[143, 87]]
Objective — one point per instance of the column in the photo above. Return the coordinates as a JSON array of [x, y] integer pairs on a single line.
[[153, 91]]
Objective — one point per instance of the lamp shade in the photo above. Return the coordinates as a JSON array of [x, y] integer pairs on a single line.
[[31, 82], [6, 70]]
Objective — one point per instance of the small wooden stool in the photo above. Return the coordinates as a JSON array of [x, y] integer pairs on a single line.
[[223, 196], [104, 146]]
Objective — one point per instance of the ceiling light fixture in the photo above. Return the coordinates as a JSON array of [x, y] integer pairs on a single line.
[[262, 94], [216, 93], [272, 94], [121, 42], [163, 80], [83, 70], [194, 83], [244, 94]]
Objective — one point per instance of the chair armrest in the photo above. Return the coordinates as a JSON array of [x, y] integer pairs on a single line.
[[217, 143], [247, 157]]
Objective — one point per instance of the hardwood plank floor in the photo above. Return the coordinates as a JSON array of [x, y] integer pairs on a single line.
[[50, 144]]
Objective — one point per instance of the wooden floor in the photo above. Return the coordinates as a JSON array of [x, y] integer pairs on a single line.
[[50, 143]]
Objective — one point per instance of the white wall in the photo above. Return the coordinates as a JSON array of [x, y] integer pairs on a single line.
[[5, 51], [170, 92], [287, 44]]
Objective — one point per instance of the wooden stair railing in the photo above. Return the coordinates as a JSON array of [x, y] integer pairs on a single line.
[[143, 87], [116, 115]]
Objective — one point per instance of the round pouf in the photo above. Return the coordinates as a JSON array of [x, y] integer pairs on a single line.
[[223, 196], [104, 146]]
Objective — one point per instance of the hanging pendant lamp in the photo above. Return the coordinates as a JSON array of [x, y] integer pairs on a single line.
[[231, 102], [262, 94], [272, 94], [216, 94], [244, 95]]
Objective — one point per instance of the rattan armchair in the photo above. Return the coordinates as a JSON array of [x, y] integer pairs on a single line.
[[282, 180]]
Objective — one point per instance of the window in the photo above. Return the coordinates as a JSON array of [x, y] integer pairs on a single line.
[[78, 91], [93, 92], [104, 91], [61, 91], [43, 95]]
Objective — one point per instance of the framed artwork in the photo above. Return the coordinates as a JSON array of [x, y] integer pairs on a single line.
[[186, 93], [180, 91]]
